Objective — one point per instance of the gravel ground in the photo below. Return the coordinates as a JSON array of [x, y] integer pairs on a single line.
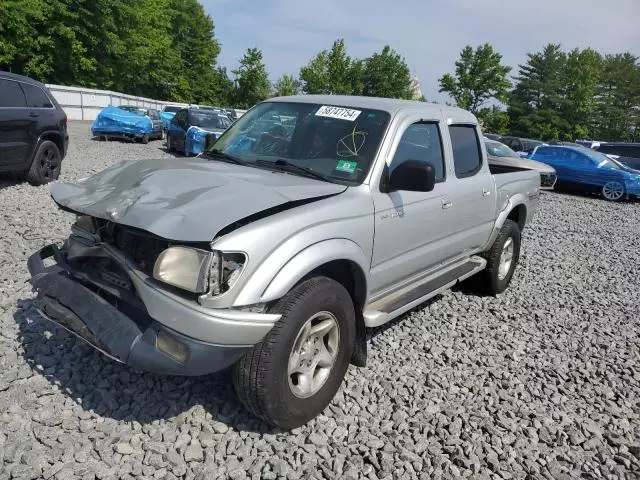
[[541, 382]]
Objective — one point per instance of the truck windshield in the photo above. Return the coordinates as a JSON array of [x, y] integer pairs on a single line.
[[337, 142]]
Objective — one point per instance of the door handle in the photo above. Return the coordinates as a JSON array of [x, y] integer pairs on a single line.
[[33, 114], [485, 192], [446, 204]]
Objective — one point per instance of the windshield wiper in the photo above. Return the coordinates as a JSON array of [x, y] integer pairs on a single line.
[[219, 154], [285, 166]]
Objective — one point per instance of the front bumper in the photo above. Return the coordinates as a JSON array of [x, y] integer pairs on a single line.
[[119, 325]]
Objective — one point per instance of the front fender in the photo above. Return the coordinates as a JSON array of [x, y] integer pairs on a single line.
[[269, 283]]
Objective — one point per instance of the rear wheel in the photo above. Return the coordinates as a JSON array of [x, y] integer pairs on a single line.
[[46, 164], [502, 259], [295, 371], [613, 191]]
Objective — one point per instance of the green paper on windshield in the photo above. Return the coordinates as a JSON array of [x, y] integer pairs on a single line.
[[346, 166]]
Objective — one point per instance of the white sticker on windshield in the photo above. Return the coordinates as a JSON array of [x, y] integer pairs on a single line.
[[338, 112]]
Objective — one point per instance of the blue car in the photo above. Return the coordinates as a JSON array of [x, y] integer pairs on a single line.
[[190, 128], [589, 171]]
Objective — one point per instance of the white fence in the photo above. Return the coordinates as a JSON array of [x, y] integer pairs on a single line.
[[84, 103]]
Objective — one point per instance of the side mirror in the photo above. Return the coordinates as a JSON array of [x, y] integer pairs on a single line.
[[413, 176]]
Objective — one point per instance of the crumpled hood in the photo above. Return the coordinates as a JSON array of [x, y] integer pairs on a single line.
[[184, 200]]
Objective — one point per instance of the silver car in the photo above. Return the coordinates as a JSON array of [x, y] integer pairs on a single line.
[[502, 157]]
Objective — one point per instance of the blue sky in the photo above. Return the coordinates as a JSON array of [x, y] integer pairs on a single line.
[[428, 33]]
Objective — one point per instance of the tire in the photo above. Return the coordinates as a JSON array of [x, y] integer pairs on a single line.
[[613, 191], [46, 164], [492, 280], [162, 134], [144, 139], [262, 378], [169, 147]]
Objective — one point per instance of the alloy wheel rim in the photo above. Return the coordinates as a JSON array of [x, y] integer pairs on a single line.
[[506, 259], [313, 354], [49, 163], [613, 190]]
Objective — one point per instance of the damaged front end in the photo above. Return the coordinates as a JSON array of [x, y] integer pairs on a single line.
[[137, 298]]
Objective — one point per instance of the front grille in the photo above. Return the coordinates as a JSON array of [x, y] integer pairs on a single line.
[[547, 180], [139, 246]]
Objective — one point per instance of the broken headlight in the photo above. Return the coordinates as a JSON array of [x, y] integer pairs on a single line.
[[199, 271], [225, 270], [184, 267]]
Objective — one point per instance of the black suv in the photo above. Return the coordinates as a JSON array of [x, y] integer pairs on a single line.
[[626, 153], [33, 130]]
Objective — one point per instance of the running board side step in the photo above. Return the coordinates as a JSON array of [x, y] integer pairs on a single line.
[[395, 304]]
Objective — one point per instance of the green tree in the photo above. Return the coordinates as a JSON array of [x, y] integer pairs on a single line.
[[386, 74], [479, 77], [251, 79], [537, 102], [582, 74], [158, 48], [494, 120], [617, 101], [285, 86], [332, 72]]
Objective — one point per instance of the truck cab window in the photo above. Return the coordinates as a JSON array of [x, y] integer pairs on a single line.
[[467, 156], [422, 142]]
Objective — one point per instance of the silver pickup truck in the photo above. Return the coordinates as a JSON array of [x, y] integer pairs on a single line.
[[307, 221]]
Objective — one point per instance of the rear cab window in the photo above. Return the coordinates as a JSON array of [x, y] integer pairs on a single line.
[[11, 95], [421, 141], [467, 152]]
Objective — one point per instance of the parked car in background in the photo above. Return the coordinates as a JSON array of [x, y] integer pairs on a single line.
[[502, 158], [589, 171], [192, 128], [625, 153], [33, 130], [493, 136], [128, 121], [167, 113], [273, 252], [522, 146]]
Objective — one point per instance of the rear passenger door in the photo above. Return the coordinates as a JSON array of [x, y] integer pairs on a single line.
[[41, 111], [412, 229], [472, 191], [177, 129], [15, 126]]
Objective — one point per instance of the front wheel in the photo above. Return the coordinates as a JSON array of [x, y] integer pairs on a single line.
[[613, 191], [169, 147], [144, 139], [295, 371], [502, 259]]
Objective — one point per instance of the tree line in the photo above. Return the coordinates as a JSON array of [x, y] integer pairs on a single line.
[[166, 49]]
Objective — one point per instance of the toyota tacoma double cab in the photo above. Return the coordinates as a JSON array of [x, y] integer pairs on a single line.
[[310, 219]]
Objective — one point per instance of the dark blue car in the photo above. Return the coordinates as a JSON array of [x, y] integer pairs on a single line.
[[589, 171]]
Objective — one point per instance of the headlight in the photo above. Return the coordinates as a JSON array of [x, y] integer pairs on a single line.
[[199, 271], [184, 267]]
